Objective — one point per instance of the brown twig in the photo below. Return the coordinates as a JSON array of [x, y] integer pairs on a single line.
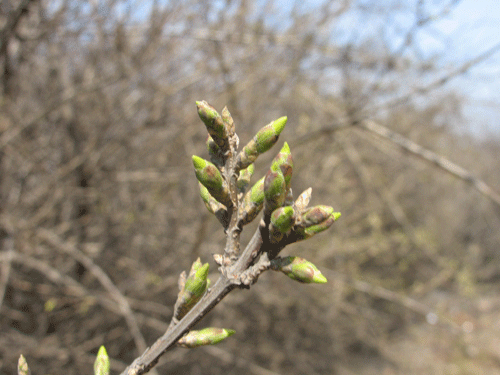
[[432, 157]]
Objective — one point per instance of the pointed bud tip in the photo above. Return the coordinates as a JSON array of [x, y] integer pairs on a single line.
[[199, 163], [319, 279], [336, 215], [279, 124], [102, 351]]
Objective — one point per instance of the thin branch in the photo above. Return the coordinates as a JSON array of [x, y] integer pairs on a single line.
[[54, 240], [431, 157], [222, 287]]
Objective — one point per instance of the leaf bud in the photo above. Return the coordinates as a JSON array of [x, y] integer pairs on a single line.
[[315, 220], [282, 220], [207, 336], [274, 191], [244, 178], [214, 123], [101, 364], [284, 162], [208, 174], [303, 200], [298, 269], [252, 202], [261, 142], [193, 289], [22, 366]]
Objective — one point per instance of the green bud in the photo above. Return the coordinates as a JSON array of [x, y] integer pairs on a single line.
[[315, 220], [274, 191], [208, 174], [298, 269], [228, 121], [213, 206], [196, 282], [22, 366], [284, 162], [214, 123], [316, 215], [252, 202], [261, 142], [101, 364], [193, 289], [212, 148], [207, 336], [245, 175], [282, 220]]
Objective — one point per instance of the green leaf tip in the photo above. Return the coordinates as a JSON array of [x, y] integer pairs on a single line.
[[199, 163], [206, 336], [101, 364], [336, 215]]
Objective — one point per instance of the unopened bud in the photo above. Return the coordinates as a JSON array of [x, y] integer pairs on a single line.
[[22, 366], [274, 191], [207, 336], [252, 202], [303, 200], [101, 364], [208, 174], [245, 175], [282, 220], [298, 269], [284, 162], [193, 289], [261, 142], [316, 220], [214, 123]]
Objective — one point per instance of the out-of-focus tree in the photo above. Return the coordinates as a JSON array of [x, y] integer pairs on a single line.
[[98, 216]]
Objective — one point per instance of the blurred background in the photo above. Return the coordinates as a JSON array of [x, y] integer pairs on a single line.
[[393, 111]]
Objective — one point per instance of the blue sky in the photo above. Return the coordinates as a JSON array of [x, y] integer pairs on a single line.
[[470, 29]]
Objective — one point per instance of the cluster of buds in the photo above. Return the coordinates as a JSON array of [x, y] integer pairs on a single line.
[[225, 188]]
